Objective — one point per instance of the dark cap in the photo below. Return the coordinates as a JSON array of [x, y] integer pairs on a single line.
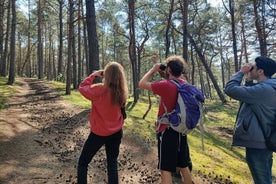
[[267, 64]]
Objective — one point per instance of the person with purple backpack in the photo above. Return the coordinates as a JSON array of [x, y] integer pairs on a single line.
[[172, 146]]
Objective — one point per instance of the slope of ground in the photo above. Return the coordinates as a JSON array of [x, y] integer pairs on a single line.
[[41, 137]]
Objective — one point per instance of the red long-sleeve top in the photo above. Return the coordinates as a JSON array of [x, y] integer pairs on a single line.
[[105, 118]]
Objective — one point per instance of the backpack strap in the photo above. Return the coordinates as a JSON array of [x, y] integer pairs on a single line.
[[176, 82], [164, 118]]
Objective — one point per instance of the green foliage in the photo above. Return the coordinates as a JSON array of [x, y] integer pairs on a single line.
[[5, 92]]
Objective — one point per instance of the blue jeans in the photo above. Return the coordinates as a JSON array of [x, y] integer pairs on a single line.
[[92, 146], [260, 164]]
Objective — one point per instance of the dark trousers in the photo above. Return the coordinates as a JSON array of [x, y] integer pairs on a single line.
[[92, 146]]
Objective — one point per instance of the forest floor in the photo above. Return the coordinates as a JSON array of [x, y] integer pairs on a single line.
[[41, 137]]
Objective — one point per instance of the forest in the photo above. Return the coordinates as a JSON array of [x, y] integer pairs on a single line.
[[46, 43], [67, 40]]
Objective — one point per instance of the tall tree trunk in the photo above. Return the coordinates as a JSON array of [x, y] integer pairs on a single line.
[[75, 74], [70, 48], [169, 22], [192, 66], [50, 67], [244, 45], [260, 27], [92, 36], [60, 50], [3, 68], [132, 48], [79, 44], [40, 41], [28, 55], [231, 11], [53, 62], [12, 46], [233, 26], [2, 11], [184, 4], [72, 17], [18, 57], [222, 60], [86, 51]]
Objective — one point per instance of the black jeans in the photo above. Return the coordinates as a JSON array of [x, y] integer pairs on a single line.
[[92, 146]]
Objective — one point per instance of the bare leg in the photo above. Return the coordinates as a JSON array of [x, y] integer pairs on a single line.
[[166, 177], [186, 175]]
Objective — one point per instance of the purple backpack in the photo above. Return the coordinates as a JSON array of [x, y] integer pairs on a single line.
[[188, 111]]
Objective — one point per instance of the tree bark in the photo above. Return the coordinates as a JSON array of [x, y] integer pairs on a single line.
[[132, 48], [169, 22], [260, 29], [93, 44], [60, 56], [70, 48], [40, 42], [3, 71], [12, 46], [2, 11], [79, 44], [184, 4]]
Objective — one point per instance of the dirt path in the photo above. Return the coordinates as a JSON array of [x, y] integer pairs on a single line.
[[41, 137]]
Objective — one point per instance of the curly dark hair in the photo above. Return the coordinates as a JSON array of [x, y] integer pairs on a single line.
[[177, 65]]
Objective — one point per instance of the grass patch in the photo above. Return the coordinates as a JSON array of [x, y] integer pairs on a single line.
[[5, 92], [75, 98]]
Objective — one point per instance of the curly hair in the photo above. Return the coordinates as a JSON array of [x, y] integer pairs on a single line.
[[178, 65], [115, 80]]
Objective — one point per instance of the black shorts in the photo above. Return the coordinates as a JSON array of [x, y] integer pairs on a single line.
[[173, 150]]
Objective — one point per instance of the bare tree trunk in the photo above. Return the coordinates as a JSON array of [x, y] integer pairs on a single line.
[[3, 71], [184, 4], [200, 73], [169, 22], [222, 61], [149, 107], [86, 56], [2, 11], [53, 62], [70, 48], [75, 75], [141, 49], [233, 25], [244, 45], [28, 58], [79, 44], [192, 68], [40, 42], [260, 27], [18, 57], [231, 11], [12, 46], [60, 57], [132, 48], [50, 67], [92, 36]]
